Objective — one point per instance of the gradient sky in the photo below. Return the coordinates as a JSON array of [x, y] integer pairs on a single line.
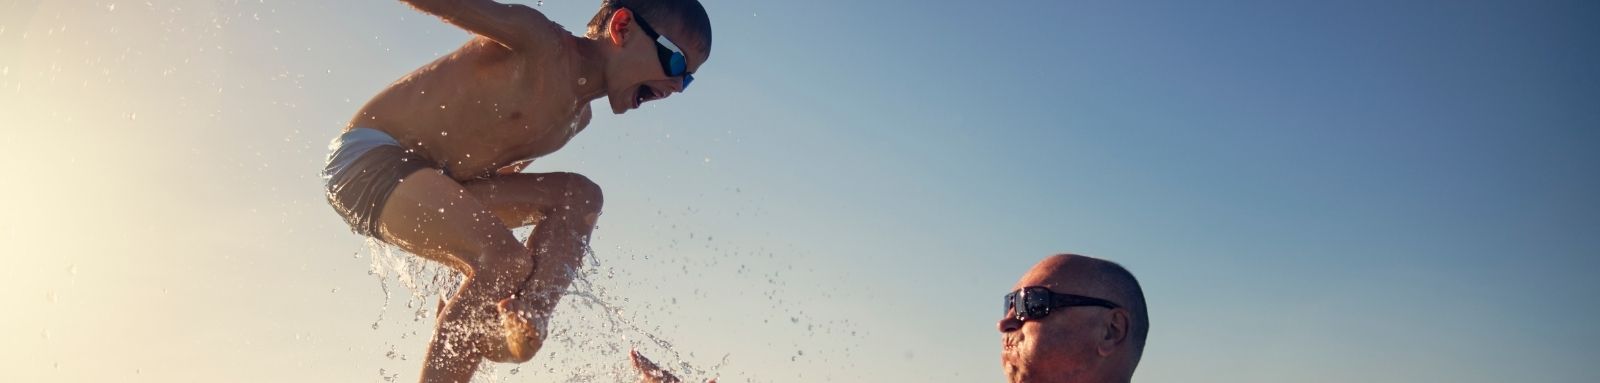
[[1376, 191]]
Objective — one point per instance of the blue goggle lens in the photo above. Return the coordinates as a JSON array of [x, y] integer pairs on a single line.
[[680, 67]]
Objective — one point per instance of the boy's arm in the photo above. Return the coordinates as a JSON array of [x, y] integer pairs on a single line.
[[515, 26]]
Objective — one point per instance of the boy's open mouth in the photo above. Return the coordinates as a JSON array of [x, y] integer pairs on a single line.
[[645, 94]]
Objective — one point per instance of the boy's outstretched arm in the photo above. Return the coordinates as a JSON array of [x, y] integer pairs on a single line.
[[516, 26]]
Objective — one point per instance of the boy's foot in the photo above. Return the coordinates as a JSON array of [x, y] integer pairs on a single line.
[[524, 329]]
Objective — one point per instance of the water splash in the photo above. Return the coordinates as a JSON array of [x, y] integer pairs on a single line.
[[589, 337]]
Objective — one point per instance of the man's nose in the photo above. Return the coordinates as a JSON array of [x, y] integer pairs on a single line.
[[1009, 324]]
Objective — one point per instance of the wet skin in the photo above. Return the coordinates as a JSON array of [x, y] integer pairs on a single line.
[[483, 108], [518, 90]]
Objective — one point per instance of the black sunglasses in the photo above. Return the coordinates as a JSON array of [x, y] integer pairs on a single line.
[[1034, 302], [673, 61]]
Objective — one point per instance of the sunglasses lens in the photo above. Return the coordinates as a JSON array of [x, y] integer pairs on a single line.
[[688, 78], [1011, 299], [1035, 302]]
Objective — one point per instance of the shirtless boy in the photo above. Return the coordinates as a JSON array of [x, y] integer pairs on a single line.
[[433, 163]]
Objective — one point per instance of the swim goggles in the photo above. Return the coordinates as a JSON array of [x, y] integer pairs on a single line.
[[673, 62]]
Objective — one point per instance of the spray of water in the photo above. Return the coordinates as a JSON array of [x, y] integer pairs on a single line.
[[595, 331]]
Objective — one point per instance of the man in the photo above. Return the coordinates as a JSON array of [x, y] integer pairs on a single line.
[[1073, 319], [433, 163]]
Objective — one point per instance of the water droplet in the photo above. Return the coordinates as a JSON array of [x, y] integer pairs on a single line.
[[73, 269], [444, 133], [50, 296], [581, 80], [441, 106]]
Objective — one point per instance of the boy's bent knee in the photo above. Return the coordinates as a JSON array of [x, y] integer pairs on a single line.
[[583, 193], [581, 185]]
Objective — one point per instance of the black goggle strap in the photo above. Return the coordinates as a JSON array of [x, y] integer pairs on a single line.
[[665, 48]]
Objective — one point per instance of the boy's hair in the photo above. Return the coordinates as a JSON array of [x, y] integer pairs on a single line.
[[688, 15]]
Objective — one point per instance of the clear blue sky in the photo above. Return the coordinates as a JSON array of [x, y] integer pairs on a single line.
[[1382, 191]]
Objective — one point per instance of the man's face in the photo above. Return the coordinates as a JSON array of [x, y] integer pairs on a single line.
[[1061, 347], [636, 76]]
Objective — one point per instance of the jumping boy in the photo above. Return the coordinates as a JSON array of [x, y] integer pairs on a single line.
[[433, 163]]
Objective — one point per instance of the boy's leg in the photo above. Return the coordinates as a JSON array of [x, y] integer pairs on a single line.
[[433, 216], [564, 207], [468, 227]]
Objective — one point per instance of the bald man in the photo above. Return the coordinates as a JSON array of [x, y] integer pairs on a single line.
[[1073, 319]]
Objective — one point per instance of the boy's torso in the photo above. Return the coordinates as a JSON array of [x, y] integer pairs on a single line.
[[481, 108]]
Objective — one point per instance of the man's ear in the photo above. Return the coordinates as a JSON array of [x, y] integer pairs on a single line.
[[1116, 323], [621, 19]]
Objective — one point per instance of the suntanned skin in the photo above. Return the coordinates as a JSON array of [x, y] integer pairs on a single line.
[[518, 90], [1073, 344]]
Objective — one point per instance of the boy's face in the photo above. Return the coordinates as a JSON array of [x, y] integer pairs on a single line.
[[638, 73]]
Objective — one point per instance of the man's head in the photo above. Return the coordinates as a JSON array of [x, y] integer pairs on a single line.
[[653, 47], [1078, 338]]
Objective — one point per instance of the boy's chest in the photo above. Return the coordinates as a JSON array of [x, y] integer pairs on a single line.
[[534, 131], [512, 110]]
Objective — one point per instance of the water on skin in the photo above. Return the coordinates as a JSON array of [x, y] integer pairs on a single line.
[[587, 323]]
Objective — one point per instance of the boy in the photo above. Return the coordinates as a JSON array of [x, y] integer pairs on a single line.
[[433, 163]]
